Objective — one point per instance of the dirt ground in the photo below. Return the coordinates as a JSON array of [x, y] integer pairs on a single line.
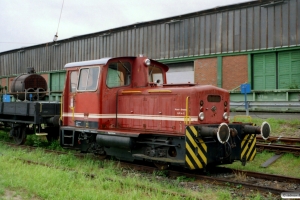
[[11, 195]]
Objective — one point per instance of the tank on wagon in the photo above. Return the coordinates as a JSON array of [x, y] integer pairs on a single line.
[[30, 86], [29, 114], [123, 107]]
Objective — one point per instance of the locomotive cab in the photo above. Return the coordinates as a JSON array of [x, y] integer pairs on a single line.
[[92, 87], [123, 107]]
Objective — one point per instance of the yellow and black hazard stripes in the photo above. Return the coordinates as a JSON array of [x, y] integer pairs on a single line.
[[196, 149], [248, 149]]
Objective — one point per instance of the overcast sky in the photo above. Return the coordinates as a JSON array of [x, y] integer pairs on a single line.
[[30, 22]]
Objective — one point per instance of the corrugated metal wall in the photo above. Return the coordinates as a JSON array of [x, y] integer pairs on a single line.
[[237, 28]]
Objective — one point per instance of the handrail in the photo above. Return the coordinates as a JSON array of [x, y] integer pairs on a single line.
[[187, 118]]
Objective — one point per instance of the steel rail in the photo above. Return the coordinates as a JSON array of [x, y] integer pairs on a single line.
[[279, 148], [287, 140], [271, 177]]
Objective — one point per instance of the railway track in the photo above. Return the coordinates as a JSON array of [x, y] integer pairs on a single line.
[[279, 148], [229, 178], [226, 177], [279, 145], [285, 140]]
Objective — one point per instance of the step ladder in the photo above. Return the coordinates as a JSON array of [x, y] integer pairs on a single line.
[[68, 137]]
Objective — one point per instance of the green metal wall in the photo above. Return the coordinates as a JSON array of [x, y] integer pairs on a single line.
[[56, 84], [264, 71], [57, 81], [289, 70], [276, 70]]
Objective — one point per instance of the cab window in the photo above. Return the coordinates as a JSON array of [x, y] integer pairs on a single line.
[[88, 79], [155, 75], [118, 74], [73, 81]]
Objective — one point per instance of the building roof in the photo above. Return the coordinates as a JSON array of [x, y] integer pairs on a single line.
[[141, 24]]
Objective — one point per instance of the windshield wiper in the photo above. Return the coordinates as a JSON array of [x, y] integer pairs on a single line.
[[124, 66]]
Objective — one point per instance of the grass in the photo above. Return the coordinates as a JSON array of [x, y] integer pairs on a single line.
[[64, 178], [287, 165]]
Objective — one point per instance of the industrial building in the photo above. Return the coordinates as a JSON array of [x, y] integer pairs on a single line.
[[256, 42]]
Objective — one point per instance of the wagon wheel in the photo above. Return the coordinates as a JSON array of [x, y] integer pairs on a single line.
[[19, 134], [161, 166]]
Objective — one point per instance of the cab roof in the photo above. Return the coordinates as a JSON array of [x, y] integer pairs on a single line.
[[104, 61], [101, 61]]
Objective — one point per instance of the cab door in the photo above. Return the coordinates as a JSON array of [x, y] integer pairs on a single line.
[[86, 103], [69, 96]]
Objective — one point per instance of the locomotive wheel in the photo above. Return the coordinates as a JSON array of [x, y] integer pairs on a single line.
[[19, 135], [161, 166]]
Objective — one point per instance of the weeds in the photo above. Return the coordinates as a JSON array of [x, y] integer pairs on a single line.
[[4, 135], [240, 176], [163, 173], [184, 179], [239, 186], [258, 197], [36, 141], [224, 195], [54, 145]]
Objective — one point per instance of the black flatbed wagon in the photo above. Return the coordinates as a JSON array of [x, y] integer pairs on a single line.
[[31, 117]]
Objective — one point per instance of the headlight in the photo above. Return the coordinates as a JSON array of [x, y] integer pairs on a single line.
[[147, 62], [225, 116], [201, 116]]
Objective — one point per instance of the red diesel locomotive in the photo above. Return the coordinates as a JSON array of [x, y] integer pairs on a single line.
[[123, 107]]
